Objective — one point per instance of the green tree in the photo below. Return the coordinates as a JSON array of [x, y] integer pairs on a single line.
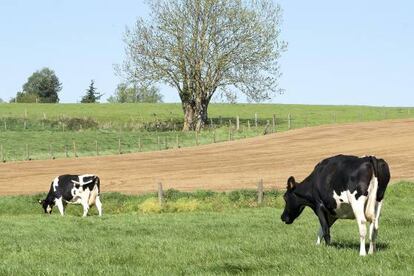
[[201, 47], [91, 96], [42, 86], [135, 94], [22, 97]]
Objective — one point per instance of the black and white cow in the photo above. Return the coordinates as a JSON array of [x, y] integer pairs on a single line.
[[74, 189], [341, 187]]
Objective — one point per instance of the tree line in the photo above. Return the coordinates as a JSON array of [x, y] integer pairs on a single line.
[[43, 86]]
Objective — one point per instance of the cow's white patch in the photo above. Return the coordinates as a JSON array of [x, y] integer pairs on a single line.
[[75, 192], [343, 206], [55, 183], [320, 236], [358, 205], [98, 205], [59, 204]]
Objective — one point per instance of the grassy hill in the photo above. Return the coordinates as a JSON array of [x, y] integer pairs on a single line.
[[40, 131]]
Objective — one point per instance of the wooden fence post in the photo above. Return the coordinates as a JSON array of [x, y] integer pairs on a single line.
[[196, 138], [51, 152], [237, 123], [177, 141], [260, 192], [139, 144], [165, 143], [248, 125], [96, 147], [27, 152], [119, 146], [214, 136], [211, 123], [2, 159], [274, 123], [255, 120], [266, 130], [159, 142], [74, 149], [160, 194], [66, 151], [229, 134], [289, 121]]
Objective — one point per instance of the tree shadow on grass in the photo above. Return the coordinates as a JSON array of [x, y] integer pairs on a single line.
[[355, 245]]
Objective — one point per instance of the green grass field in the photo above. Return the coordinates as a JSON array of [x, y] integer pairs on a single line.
[[229, 240], [41, 131]]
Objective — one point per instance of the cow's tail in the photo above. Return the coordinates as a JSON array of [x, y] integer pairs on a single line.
[[96, 191], [372, 191], [98, 184]]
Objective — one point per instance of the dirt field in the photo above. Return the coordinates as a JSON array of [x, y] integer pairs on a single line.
[[229, 165]]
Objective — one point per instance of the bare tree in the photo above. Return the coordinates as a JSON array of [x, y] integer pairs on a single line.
[[201, 47]]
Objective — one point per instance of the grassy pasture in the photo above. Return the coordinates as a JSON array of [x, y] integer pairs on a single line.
[[43, 131], [230, 240]]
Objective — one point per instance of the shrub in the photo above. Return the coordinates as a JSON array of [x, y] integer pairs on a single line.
[[184, 205], [203, 194], [79, 123], [151, 205], [173, 195], [244, 194]]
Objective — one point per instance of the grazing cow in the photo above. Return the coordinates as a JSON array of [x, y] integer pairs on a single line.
[[75, 189], [341, 187]]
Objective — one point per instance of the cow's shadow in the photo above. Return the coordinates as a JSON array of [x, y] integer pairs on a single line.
[[355, 245]]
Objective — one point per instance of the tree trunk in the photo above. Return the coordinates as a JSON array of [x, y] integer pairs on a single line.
[[195, 114], [189, 116]]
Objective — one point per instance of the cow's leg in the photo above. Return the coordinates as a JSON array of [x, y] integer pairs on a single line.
[[85, 203], [98, 205], [359, 212], [373, 228], [320, 212], [320, 236], [59, 204], [331, 221]]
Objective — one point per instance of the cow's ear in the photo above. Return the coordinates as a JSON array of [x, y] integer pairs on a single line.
[[291, 183]]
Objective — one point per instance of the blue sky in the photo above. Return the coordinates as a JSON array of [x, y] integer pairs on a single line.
[[340, 52]]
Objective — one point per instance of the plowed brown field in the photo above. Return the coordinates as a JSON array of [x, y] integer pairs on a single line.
[[228, 165]]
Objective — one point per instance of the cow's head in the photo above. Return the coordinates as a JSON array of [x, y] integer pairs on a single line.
[[47, 206], [293, 206]]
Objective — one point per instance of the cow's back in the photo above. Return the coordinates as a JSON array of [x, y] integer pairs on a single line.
[[338, 174]]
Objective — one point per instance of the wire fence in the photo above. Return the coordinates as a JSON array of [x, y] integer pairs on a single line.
[[64, 137]]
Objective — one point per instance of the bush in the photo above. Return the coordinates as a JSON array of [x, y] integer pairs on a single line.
[[79, 123], [184, 205], [151, 205], [244, 194], [173, 195]]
